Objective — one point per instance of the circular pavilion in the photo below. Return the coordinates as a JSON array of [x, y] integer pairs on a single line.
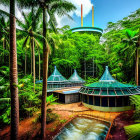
[[76, 80], [56, 80], [90, 30], [108, 94]]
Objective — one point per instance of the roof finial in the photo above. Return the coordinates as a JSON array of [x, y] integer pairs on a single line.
[[106, 67], [107, 77], [81, 15], [92, 16]]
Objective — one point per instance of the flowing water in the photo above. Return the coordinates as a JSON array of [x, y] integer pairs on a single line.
[[84, 129]]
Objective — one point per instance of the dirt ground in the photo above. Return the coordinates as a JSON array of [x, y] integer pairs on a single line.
[[117, 131], [30, 129]]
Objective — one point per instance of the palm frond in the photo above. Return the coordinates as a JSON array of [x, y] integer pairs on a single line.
[[62, 6], [39, 45], [133, 131], [25, 42], [21, 24], [4, 13], [4, 100]]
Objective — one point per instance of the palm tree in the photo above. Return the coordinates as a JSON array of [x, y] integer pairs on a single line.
[[50, 7], [30, 31], [13, 74], [13, 71], [39, 48], [132, 43]]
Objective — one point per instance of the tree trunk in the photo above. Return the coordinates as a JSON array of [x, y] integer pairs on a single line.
[[31, 60], [93, 68], [33, 52], [137, 66], [25, 60], [45, 74], [39, 63], [85, 68], [13, 74]]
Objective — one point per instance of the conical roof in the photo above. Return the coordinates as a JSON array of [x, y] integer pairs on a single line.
[[108, 86], [76, 78], [107, 77], [107, 81], [56, 76]]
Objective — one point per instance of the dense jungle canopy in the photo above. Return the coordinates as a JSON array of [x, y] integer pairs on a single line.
[[68, 51]]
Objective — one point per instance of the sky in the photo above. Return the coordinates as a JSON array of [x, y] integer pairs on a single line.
[[105, 11]]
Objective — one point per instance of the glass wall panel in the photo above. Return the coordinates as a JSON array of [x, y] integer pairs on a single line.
[[91, 100], [126, 101], [119, 101], [85, 98], [104, 101], [111, 101], [97, 100]]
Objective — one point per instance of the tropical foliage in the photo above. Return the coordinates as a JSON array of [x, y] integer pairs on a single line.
[[133, 131], [39, 38], [117, 39]]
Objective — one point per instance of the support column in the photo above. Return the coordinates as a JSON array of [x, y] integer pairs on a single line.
[[85, 68], [108, 101], [81, 15], [93, 66], [92, 16]]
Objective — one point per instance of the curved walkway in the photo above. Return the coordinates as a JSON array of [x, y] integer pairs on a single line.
[[79, 109]]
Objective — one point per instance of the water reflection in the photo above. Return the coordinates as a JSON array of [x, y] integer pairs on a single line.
[[84, 129]]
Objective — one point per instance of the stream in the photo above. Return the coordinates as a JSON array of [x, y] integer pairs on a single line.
[[82, 128]]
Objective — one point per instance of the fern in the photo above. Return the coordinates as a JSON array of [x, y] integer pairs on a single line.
[[133, 131], [135, 100], [50, 99]]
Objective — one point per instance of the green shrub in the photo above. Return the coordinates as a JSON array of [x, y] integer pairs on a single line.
[[49, 110], [51, 117], [63, 121]]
